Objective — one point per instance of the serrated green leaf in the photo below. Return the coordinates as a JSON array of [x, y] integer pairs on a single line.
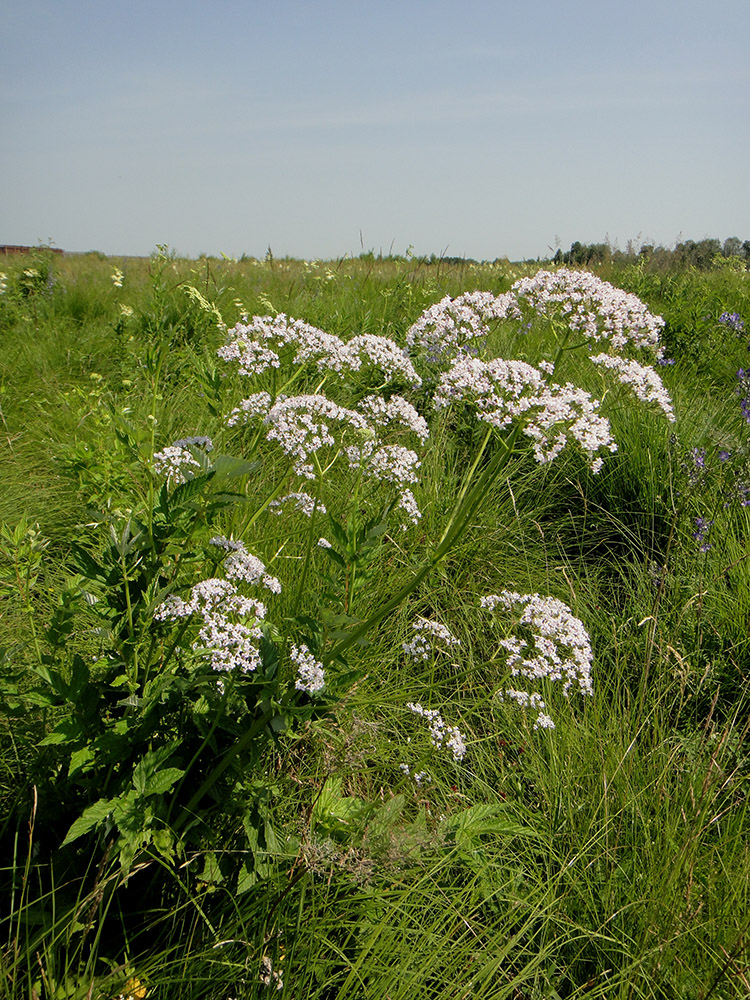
[[161, 781], [89, 818], [79, 759]]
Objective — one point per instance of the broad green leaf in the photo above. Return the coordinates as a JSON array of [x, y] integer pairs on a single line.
[[88, 820], [160, 782]]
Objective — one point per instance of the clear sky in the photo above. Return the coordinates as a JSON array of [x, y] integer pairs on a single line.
[[472, 128]]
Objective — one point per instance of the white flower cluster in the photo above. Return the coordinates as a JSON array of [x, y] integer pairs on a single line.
[[259, 345], [564, 413], [551, 415], [240, 564], [230, 644], [305, 425], [455, 327], [410, 507], [303, 502], [396, 410], [642, 379], [310, 674], [254, 406], [117, 277], [177, 459], [440, 733], [429, 635], [302, 425], [3, 282], [384, 355], [501, 390], [554, 644], [418, 777], [527, 700], [391, 463], [592, 307]]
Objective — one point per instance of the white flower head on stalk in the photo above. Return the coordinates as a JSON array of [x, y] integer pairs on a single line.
[[3, 282], [251, 408], [501, 390], [258, 345], [643, 380], [563, 414], [394, 411], [408, 504], [551, 415], [593, 308], [441, 734], [391, 463], [549, 642], [310, 674], [384, 355], [531, 700], [302, 501], [457, 327], [230, 644], [177, 461], [117, 277], [240, 564], [429, 636], [304, 425]]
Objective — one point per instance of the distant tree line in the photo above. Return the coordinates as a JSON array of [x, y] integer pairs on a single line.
[[701, 254]]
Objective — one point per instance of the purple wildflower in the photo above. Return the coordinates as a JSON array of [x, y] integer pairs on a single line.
[[702, 528], [733, 321]]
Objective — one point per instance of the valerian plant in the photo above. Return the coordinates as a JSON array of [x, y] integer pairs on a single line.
[[184, 647]]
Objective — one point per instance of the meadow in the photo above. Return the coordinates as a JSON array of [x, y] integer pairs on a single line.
[[373, 628]]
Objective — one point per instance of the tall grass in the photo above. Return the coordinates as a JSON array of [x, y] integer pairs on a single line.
[[606, 858]]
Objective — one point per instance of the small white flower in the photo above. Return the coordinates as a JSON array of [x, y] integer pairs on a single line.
[[310, 673], [440, 733]]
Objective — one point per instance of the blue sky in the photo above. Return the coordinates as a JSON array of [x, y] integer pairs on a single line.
[[482, 129]]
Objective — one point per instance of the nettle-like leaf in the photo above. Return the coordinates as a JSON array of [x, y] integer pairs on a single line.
[[89, 819]]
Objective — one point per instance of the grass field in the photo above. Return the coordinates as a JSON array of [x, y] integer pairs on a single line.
[[398, 652]]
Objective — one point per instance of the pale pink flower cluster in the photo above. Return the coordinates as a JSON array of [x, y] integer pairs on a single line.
[[410, 507], [428, 636], [553, 644], [251, 408], [390, 463], [230, 644], [501, 390], [396, 410], [455, 327], [383, 354], [551, 415], [642, 379], [240, 564], [564, 413], [302, 426], [441, 734], [310, 674], [177, 460], [260, 344], [592, 307]]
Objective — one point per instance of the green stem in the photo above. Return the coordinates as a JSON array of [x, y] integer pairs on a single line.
[[458, 523], [244, 741]]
